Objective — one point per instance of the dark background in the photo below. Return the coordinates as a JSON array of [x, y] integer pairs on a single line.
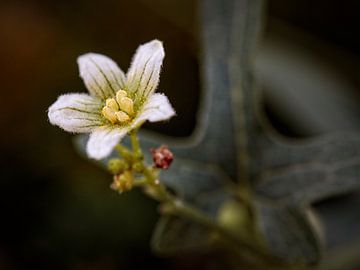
[[57, 210]]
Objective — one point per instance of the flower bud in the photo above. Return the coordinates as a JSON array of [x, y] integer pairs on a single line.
[[123, 182], [162, 157], [116, 166]]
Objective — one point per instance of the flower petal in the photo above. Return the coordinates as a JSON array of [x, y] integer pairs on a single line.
[[143, 74], [101, 75], [103, 140], [76, 113], [156, 108]]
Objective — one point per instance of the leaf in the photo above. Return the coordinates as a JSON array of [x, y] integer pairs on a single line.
[[288, 233], [201, 185], [307, 173], [285, 226], [173, 235]]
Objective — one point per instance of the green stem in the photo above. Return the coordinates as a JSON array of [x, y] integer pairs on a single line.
[[135, 144], [124, 152], [140, 182]]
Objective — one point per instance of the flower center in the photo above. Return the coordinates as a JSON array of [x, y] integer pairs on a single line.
[[119, 109]]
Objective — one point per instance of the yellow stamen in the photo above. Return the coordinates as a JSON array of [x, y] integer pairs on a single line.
[[127, 105], [110, 102], [109, 114], [122, 117], [120, 94], [118, 109]]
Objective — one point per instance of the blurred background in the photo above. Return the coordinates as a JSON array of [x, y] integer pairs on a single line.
[[57, 210]]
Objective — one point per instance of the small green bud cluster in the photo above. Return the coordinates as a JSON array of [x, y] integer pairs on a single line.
[[125, 170], [117, 166], [123, 182]]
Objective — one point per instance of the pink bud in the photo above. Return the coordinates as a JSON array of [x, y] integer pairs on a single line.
[[162, 157]]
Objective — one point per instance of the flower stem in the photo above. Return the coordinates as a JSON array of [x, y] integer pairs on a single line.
[[135, 144], [124, 152]]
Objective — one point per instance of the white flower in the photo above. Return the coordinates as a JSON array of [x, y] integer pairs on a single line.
[[117, 103]]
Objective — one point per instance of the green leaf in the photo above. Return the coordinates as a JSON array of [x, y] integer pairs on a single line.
[[202, 186], [173, 235], [308, 173], [289, 233]]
